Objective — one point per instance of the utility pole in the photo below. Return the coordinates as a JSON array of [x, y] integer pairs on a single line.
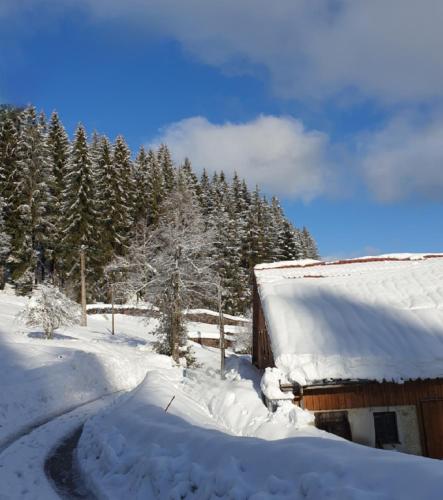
[[112, 310], [84, 320], [221, 326]]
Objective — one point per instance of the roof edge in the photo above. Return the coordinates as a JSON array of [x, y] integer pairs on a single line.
[[294, 264]]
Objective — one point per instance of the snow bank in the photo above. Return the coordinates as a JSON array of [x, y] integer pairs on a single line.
[[204, 331], [139, 451], [43, 378], [359, 320], [270, 384]]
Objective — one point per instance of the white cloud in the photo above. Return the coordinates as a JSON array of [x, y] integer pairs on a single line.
[[404, 160], [275, 152], [386, 49]]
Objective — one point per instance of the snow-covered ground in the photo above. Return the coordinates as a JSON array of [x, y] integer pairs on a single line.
[[217, 439]]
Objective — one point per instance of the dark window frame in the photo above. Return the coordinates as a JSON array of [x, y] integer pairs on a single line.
[[386, 428], [336, 422]]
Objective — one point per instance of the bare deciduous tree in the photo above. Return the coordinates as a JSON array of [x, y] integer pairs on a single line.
[[171, 266]]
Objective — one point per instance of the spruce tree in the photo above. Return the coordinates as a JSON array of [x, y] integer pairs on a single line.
[[79, 210], [156, 189], [308, 245], [166, 165], [5, 245], [141, 186], [123, 196], [9, 138], [58, 151], [30, 199]]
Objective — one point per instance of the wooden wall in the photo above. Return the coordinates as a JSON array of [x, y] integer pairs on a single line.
[[262, 356], [372, 394], [417, 393]]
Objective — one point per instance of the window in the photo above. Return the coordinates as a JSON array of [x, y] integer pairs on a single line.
[[386, 431], [335, 422]]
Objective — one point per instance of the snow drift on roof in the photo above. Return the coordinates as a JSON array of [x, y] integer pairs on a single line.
[[372, 318]]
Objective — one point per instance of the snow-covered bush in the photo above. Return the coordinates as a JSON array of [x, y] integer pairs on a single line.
[[243, 339], [50, 309]]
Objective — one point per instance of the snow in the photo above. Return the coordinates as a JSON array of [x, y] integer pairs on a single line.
[[241, 319], [270, 385], [205, 331], [217, 439], [220, 442], [77, 366], [376, 320]]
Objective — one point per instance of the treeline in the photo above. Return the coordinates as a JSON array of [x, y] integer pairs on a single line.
[[59, 196]]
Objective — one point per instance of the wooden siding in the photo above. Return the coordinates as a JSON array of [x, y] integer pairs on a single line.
[[372, 394], [387, 394], [262, 356]]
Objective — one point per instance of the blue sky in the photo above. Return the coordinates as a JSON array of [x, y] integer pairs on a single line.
[[333, 106]]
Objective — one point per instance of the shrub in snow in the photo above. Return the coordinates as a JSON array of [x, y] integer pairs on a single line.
[[243, 340], [50, 309]]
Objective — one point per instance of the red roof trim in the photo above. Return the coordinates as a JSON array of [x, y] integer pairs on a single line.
[[351, 261]]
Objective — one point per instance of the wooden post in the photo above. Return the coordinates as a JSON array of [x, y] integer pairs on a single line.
[[112, 304], [222, 332], [84, 320]]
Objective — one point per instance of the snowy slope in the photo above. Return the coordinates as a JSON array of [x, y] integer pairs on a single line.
[[217, 439], [359, 320], [40, 378]]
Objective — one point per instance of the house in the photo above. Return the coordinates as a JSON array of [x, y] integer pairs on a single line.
[[357, 342]]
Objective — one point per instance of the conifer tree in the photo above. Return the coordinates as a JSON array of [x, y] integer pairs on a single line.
[[8, 168], [167, 168], [189, 177], [106, 182], [58, 151], [156, 189], [79, 210], [30, 199], [141, 182], [123, 196], [308, 245], [5, 245]]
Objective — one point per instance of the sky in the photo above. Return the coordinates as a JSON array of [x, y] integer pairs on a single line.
[[335, 106]]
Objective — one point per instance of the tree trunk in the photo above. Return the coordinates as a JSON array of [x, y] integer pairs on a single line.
[[84, 320]]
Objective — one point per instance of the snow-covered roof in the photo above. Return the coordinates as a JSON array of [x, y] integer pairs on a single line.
[[373, 318]]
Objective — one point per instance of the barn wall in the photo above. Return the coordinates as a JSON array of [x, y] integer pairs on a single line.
[[361, 399], [361, 421], [372, 394], [262, 356]]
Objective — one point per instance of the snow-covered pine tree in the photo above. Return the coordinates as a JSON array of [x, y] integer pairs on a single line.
[[30, 199], [123, 195], [8, 168], [166, 165], [254, 247], [205, 195], [234, 276], [156, 190], [5, 245], [189, 177], [105, 185], [141, 184], [58, 151], [79, 211], [290, 242], [308, 244]]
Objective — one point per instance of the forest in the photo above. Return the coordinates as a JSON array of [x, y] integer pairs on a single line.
[[62, 196]]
